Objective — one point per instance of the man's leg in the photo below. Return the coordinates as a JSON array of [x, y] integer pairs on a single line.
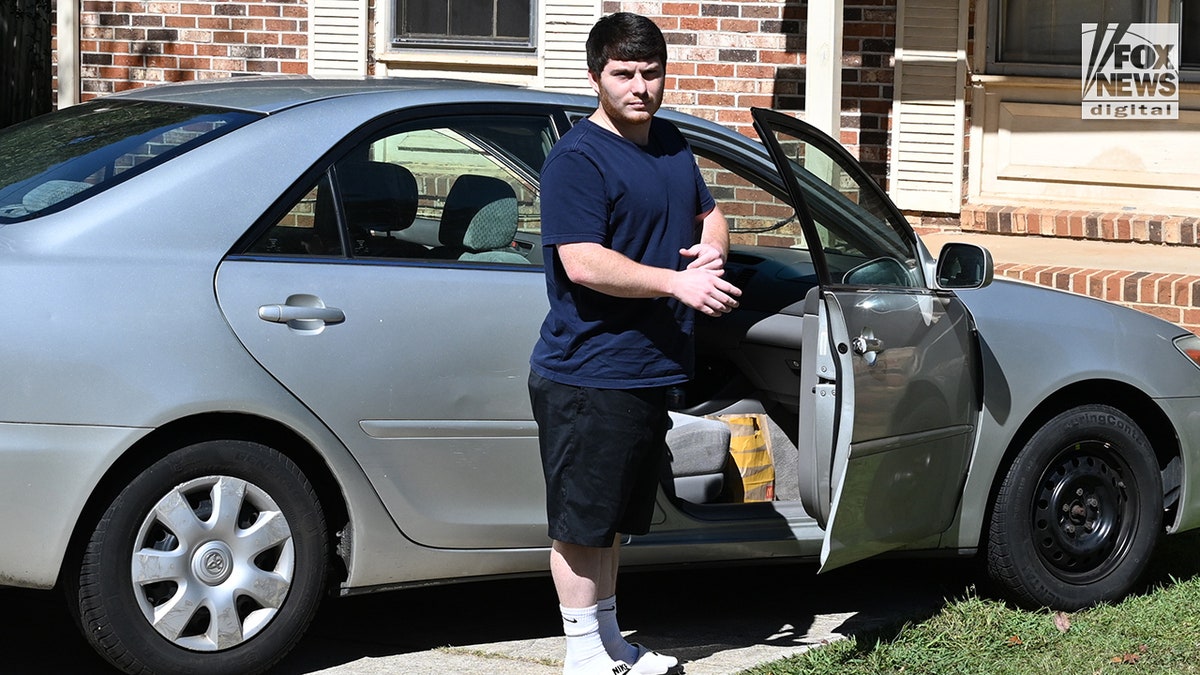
[[645, 662], [579, 572]]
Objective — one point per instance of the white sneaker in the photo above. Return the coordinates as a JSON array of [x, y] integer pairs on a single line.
[[609, 668], [650, 662]]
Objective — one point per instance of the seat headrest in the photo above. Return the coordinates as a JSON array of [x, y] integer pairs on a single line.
[[480, 214], [378, 196]]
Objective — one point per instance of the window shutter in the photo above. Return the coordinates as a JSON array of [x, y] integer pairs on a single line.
[[565, 29], [928, 116], [337, 42]]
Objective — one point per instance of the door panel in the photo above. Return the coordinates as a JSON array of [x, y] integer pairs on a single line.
[[424, 381], [898, 440], [913, 408]]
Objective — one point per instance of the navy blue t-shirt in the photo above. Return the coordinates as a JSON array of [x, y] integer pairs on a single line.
[[643, 202]]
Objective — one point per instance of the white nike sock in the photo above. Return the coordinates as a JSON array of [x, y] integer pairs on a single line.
[[610, 632], [585, 650]]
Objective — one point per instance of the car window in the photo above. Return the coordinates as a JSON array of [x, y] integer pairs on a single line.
[[53, 161], [861, 241], [463, 189], [757, 212]]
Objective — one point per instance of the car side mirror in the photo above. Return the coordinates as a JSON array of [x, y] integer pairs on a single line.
[[964, 266]]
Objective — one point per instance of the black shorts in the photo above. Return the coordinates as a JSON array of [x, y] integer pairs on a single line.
[[602, 452]]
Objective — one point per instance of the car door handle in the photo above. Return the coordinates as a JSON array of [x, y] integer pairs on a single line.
[[302, 312], [864, 344], [867, 346], [289, 313]]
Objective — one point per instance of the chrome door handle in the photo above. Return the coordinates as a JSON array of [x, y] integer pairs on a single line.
[[290, 313], [868, 346], [864, 345], [303, 313]]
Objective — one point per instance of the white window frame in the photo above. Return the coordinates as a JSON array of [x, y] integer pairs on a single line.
[[475, 44]]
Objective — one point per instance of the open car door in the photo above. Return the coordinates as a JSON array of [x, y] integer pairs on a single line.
[[889, 396]]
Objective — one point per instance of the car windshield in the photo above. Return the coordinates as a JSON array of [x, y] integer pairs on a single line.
[[61, 158]]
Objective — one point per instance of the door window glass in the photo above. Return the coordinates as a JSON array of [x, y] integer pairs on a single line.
[[463, 189], [860, 235]]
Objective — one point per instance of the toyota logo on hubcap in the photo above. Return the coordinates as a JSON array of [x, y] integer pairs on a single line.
[[212, 563]]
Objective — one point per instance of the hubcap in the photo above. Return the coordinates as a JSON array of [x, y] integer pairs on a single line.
[[1083, 516], [212, 563]]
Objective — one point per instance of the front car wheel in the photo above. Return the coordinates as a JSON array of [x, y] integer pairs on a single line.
[[1079, 512], [212, 560]]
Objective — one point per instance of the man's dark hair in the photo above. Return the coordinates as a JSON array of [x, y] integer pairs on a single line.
[[624, 36]]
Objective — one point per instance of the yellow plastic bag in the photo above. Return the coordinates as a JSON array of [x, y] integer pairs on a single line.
[[750, 447]]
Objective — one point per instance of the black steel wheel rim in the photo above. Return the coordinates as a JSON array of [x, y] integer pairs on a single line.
[[1084, 513]]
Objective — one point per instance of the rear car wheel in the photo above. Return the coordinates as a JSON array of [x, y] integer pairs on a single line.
[[212, 560], [1079, 512]]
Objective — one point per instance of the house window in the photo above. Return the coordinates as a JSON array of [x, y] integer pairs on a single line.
[[1187, 14], [1042, 37], [487, 24]]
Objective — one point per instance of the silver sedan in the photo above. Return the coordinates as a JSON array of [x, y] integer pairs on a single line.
[[268, 339]]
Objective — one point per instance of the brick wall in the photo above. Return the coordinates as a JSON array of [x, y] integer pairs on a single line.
[[127, 44], [728, 56]]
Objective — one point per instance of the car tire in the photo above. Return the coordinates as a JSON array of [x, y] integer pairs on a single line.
[[212, 560], [1079, 512]]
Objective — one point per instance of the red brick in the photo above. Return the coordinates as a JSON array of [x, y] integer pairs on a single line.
[[195, 63], [746, 101], [680, 9], [246, 24], [1114, 285], [180, 48], [1191, 319], [162, 61], [738, 25], [756, 71], [1132, 287], [1172, 314], [265, 10]]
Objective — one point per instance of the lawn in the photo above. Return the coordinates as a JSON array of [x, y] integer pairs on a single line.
[[1154, 631]]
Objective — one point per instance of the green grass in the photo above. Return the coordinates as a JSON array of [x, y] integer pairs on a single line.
[[1156, 631]]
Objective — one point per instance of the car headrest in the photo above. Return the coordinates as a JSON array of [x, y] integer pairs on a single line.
[[377, 196], [480, 214]]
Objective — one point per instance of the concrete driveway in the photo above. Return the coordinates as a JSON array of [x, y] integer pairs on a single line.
[[716, 620]]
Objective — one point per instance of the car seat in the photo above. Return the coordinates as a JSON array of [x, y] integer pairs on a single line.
[[479, 221]]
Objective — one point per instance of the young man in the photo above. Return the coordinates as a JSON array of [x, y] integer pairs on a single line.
[[634, 244]]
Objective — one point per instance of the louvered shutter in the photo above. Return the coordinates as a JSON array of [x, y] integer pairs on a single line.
[[564, 62], [928, 116], [337, 42]]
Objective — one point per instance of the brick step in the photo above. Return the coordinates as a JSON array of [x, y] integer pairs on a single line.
[[1081, 224]]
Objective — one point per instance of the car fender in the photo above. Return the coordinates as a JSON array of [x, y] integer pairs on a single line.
[[1035, 342]]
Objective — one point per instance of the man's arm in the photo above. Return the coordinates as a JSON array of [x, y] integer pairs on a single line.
[[713, 249], [700, 286]]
